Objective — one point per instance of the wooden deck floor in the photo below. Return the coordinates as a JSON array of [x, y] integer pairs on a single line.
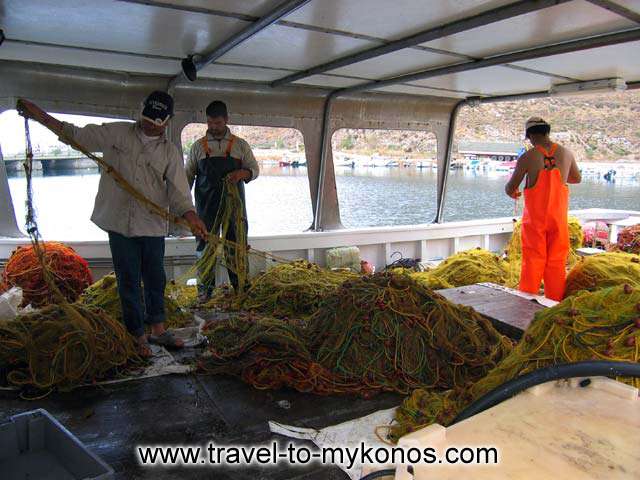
[[510, 314]]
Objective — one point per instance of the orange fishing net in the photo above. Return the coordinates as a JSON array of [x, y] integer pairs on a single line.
[[69, 270]]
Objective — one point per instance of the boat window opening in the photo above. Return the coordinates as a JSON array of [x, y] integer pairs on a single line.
[[489, 138], [385, 177], [65, 182], [278, 201]]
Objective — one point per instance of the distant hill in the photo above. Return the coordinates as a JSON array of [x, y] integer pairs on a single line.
[[596, 127]]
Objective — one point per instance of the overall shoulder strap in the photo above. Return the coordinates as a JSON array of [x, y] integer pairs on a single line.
[[549, 156], [232, 140], [205, 146]]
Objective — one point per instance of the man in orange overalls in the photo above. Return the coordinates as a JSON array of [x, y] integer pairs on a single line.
[[548, 168]]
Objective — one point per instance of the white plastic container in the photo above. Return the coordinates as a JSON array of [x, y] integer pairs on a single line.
[[36, 446]]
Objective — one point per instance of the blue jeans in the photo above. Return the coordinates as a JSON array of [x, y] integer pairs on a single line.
[[137, 259]]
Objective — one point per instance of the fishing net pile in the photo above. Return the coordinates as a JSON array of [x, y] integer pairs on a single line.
[[514, 248], [603, 270], [629, 240], [69, 271], [292, 289], [104, 295], [384, 332], [64, 346], [184, 296], [601, 325], [466, 268]]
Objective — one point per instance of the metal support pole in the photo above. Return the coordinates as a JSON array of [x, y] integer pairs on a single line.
[[532, 53], [617, 9], [444, 175], [325, 146], [8, 223], [194, 64], [441, 31]]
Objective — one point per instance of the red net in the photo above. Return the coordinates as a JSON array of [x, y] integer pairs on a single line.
[[69, 270]]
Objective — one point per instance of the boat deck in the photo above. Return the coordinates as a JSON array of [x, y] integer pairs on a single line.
[[195, 409], [509, 313]]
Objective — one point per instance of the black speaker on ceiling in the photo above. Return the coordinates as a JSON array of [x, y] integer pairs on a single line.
[[189, 68]]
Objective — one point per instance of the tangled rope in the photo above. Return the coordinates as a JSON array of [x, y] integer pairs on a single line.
[[603, 270], [63, 345], [69, 270], [628, 240], [292, 289], [466, 268], [104, 295], [232, 254], [588, 326], [374, 333], [51, 348]]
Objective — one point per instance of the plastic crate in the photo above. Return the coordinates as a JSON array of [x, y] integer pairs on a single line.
[[36, 446]]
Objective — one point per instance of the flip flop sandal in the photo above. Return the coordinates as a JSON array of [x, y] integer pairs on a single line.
[[166, 339], [144, 350]]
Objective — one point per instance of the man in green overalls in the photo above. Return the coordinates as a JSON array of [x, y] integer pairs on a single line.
[[217, 155]]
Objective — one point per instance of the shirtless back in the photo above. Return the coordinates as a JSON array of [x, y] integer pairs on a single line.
[[531, 163]]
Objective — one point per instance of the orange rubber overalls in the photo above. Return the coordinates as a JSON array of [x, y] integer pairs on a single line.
[[545, 231]]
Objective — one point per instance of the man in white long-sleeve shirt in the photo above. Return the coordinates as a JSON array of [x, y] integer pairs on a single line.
[[212, 158], [143, 155]]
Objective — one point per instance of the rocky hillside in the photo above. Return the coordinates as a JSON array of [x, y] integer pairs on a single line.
[[597, 127]]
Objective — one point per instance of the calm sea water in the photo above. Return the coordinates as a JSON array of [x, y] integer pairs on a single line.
[[278, 201]]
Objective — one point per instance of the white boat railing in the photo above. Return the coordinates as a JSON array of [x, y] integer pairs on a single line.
[[377, 244]]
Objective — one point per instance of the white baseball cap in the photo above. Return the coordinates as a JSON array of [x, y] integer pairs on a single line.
[[535, 122]]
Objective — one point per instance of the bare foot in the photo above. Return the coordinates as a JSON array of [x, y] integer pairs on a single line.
[[174, 342], [144, 350]]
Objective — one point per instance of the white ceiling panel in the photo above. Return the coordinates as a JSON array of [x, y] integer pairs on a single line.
[[329, 81], [113, 25], [240, 72], [388, 19], [397, 63], [421, 91], [489, 81], [606, 62], [256, 8], [84, 58], [293, 48], [563, 22]]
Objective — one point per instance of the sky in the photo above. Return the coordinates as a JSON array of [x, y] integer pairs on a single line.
[[12, 139]]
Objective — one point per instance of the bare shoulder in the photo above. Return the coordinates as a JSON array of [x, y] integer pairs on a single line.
[[526, 157], [564, 152]]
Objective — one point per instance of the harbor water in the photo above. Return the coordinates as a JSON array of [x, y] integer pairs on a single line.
[[278, 201]]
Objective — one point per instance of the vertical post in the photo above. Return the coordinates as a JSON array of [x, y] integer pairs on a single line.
[[445, 162], [326, 212], [8, 223]]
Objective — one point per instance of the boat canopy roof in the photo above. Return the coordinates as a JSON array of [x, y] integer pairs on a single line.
[[456, 49]]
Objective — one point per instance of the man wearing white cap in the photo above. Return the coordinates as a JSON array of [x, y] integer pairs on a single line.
[[548, 168], [144, 156]]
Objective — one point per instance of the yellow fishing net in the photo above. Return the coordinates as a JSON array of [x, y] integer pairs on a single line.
[[104, 294], [604, 270], [590, 325], [374, 333], [292, 289], [465, 268]]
